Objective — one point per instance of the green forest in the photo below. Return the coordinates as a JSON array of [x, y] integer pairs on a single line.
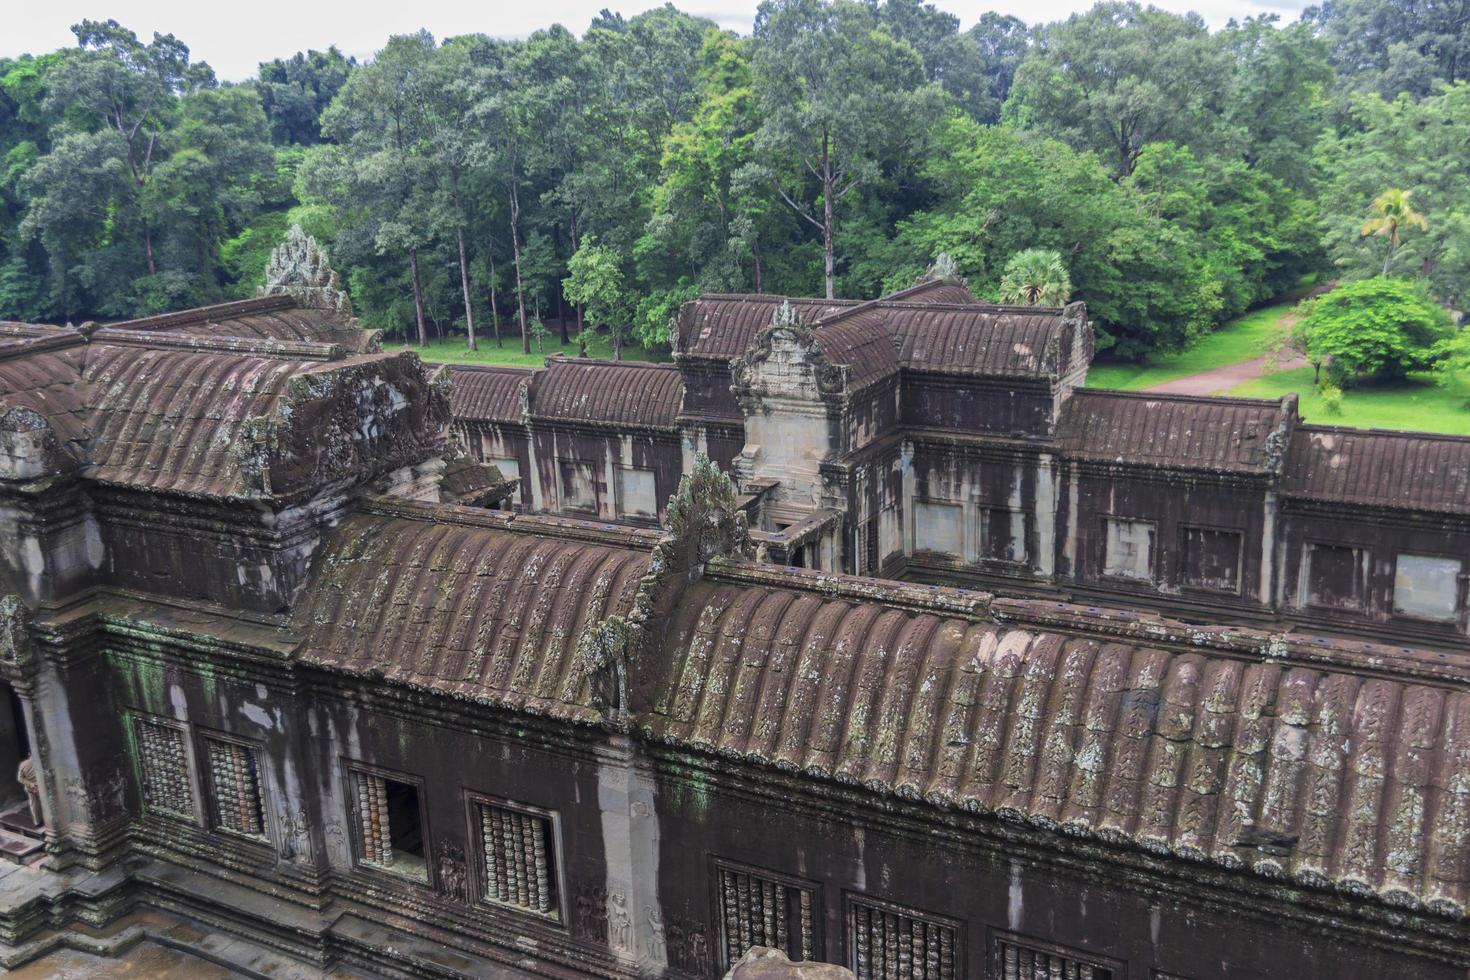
[[504, 191]]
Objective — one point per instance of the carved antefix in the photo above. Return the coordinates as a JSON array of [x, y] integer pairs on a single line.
[[349, 419], [704, 514], [603, 657], [704, 522], [299, 268], [28, 447], [944, 269]]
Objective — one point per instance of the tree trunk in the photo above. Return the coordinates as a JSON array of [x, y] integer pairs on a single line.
[[464, 282], [494, 310], [755, 247], [827, 218], [148, 248], [576, 243], [561, 315], [418, 296], [515, 247]]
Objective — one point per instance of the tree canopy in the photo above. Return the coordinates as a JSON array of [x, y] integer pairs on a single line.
[[1177, 175], [1374, 329]]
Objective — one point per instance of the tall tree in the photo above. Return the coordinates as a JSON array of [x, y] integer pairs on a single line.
[[26, 126], [149, 169], [503, 114], [839, 99], [1421, 143], [1392, 216], [206, 187], [1002, 42], [581, 128], [450, 95], [1119, 77], [295, 91], [705, 231], [130, 91], [1256, 236], [1393, 46], [955, 61], [997, 192], [1275, 108], [379, 173]]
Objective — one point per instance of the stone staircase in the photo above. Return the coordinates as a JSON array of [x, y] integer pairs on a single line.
[[21, 840]]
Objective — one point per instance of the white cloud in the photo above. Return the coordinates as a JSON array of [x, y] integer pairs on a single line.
[[235, 38]]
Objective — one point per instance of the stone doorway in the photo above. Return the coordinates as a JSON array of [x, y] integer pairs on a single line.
[[22, 832]]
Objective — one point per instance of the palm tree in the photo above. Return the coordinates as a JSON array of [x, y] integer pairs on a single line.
[[1035, 277], [1392, 216]]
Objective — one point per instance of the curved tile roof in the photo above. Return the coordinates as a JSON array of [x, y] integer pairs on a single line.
[[475, 612], [1188, 754], [21, 338], [863, 344], [487, 394], [49, 384], [174, 420], [934, 291], [979, 340], [265, 318], [1380, 469], [610, 392], [1177, 431], [722, 326]]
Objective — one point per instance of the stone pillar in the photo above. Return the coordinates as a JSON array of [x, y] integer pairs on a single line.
[[625, 795]]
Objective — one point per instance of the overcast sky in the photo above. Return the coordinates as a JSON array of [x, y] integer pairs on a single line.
[[235, 37]]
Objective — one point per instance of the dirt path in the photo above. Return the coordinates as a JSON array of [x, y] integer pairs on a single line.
[[1227, 376], [1224, 378]]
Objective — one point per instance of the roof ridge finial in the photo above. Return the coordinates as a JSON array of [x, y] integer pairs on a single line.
[[703, 522], [299, 268], [786, 316], [944, 269]]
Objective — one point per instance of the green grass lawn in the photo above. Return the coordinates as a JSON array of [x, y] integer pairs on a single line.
[[1242, 339], [452, 350], [1414, 404]]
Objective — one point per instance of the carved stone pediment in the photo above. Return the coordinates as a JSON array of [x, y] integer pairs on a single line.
[[345, 419], [785, 358]]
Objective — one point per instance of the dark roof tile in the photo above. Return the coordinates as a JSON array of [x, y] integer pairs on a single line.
[[487, 394], [722, 326], [983, 341], [492, 615], [1180, 752], [863, 344], [265, 318], [629, 393], [49, 383], [1380, 469], [1179, 431], [176, 420]]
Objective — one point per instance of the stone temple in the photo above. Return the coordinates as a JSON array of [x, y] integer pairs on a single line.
[[862, 632]]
